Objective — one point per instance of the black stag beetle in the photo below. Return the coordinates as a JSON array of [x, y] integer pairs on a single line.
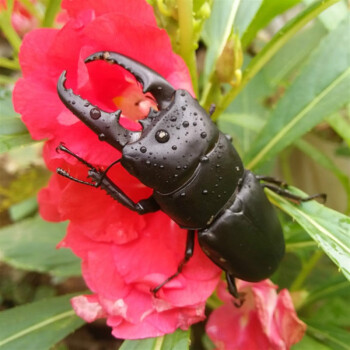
[[197, 176]]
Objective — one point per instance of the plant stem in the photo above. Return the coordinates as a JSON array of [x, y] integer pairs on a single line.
[[307, 268], [8, 31], [9, 64], [187, 52], [279, 40]]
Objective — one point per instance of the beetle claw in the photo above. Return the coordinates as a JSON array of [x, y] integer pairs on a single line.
[[151, 81], [105, 125]]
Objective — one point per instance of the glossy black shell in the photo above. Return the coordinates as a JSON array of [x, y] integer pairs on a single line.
[[193, 168]]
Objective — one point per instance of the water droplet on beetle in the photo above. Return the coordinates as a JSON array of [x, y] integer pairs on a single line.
[[185, 124], [162, 136], [101, 137], [95, 113], [143, 149], [204, 159], [203, 135], [148, 162], [173, 118], [174, 148], [205, 192], [183, 194]]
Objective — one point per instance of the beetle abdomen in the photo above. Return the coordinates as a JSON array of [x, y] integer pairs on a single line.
[[197, 203], [247, 239]]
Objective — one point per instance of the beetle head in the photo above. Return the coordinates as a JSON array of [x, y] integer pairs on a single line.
[[106, 125], [173, 139]]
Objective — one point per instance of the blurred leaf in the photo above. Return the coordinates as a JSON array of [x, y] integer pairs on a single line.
[[39, 325], [31, 245], [217, 30], [334, 287], [341, 125], [246, 12], [23, 209], [308, 343], [336, 338], [322, 87], [293, 55], [329, 228], [13, 132], [332, 16], [322, 159], [268, 10], [179, 340], [24, 186]]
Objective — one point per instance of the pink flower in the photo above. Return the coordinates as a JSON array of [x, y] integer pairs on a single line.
[[22, 21], [266, 320], [123, 254]]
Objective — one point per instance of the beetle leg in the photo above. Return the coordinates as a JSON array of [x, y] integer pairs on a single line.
[[232, 288], [272, 180], [144, 206], [187, 257], [285, 193]]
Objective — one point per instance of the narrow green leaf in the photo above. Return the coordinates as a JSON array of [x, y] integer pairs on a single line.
[[217, 30], [31, 245], [337, 286], [13, 132], [322, 87], [322, 159], [246, 12], [270, 49], [329, 228], [179, 340], [341, 125], [335, 337], [39, 325], [308, 343], [268, 10]]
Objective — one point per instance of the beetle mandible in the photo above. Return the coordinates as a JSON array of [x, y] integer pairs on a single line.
[[197, 176]]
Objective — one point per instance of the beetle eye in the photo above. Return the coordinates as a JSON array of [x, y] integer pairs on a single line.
[[162, 136]]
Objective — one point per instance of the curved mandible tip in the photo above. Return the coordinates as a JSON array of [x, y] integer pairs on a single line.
[[105, 125], [151, 81]]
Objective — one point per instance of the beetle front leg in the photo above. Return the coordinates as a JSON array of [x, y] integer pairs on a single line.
[[188, 254], [144, 206]]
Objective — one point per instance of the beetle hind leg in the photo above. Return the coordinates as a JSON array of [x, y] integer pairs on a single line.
[[280, 187], [232, 288], [187, 257]]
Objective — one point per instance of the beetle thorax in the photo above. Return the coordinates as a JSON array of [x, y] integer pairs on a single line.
[[171, 144]]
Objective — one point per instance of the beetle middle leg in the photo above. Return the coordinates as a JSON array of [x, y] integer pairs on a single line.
[[188, 254]]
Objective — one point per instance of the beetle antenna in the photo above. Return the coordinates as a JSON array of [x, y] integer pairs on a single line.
[[64, 173], [103, 175], [63, 148]]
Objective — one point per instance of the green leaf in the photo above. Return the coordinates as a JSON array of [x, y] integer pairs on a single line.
[[13, 132], [246, 12], [268, 10], [217, 30], [335, 337], [322, 159], [341, 125], [322, 87], [179, 340], [308, 343], [31, 245], [39, 325], [329, 228]]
